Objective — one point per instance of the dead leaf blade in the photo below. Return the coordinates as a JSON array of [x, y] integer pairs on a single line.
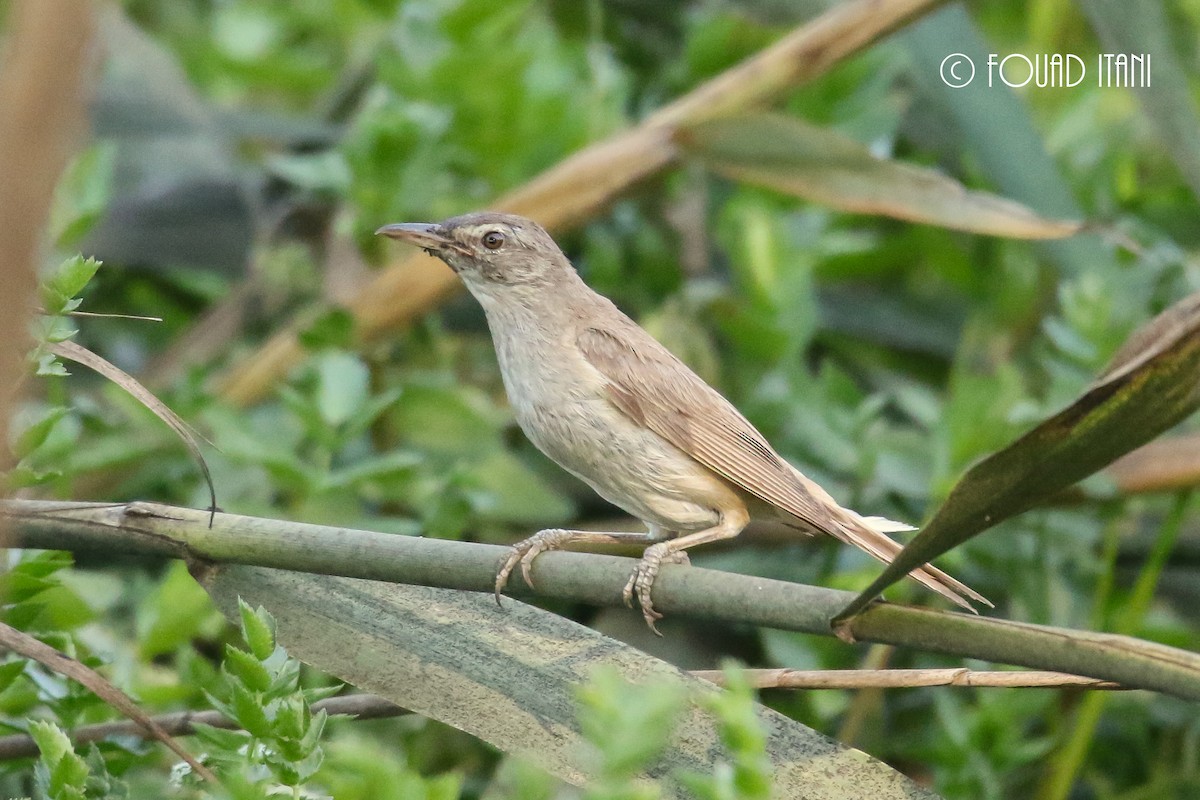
[[81, 355], [25, 645], [818, 164]]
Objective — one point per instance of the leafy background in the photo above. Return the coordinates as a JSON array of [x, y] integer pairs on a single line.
[[244, 151]]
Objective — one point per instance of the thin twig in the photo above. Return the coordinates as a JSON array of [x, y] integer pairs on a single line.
[[910, 678], [136, 317], [24, 644], [370, 706], [181, 723]]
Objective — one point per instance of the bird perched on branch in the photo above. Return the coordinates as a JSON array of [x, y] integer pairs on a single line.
[[612, 406]]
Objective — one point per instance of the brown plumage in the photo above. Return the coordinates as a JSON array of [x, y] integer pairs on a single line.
[[611, 405]]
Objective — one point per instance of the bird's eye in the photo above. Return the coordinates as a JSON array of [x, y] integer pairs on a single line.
[[493, 240]]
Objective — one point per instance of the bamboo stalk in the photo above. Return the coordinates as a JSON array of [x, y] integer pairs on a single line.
[[594, 579]]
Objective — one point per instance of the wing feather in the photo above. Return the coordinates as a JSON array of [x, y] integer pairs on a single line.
[[651, 386]]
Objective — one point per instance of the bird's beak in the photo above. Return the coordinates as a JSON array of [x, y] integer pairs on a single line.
[[426, 235]]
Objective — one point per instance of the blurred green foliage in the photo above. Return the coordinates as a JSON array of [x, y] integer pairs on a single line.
[[880, 357]]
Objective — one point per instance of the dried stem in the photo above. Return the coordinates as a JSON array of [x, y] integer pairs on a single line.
[[369, 706]]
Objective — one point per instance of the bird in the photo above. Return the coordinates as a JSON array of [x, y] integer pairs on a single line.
[[615, 408]]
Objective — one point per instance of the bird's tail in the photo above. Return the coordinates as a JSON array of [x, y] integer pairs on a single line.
[[870, 534]]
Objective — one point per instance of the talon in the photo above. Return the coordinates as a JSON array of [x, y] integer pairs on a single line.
[[524, 553], [527, 563], [641, 583], [505, 570], [627, 592], [651, 616]]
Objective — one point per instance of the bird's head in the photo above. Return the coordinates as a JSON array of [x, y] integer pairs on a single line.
[[494, 254]]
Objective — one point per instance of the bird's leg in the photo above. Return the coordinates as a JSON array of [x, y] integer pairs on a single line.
[[525, 551], [672, 552]]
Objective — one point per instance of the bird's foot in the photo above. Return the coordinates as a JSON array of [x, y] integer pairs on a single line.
[[642, 580], [525, 551]]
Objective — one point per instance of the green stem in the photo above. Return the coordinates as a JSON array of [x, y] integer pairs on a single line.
[[587, 578]]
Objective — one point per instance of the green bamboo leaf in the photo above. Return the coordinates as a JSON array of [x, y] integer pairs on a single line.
[[1152, 383], [819, 164], [509, 676]]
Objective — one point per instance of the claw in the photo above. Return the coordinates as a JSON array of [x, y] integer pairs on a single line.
[[527, 564], [524, 552], [506, 569], [641, 583]]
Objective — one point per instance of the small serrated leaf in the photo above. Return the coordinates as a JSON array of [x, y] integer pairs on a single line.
[[247, 668], [50, 739], [248, 710], [292, 719], [258, 629]]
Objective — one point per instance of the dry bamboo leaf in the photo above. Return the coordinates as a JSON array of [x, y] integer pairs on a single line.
[[24, 644], [793, 156], [509, 677], [81, 355]]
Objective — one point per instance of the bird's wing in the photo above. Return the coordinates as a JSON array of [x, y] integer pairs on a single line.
[[654, 388]]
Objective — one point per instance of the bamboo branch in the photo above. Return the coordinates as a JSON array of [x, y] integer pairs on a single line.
[[568, 193], [146, 528]]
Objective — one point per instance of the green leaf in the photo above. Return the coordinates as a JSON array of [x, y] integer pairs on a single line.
[[291, 720], [59, 291], [220, 738], [9, 672], [175, 613], [51, 741], [258, 629], [342, 386], [334, 328], [248, 711], [35, 434], [819, 164], [504, 489], [65, 773], [83, 193], [1152, 383], [247, 668], [501, 675]]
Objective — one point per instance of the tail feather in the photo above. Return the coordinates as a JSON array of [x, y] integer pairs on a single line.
[[869, 534]]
